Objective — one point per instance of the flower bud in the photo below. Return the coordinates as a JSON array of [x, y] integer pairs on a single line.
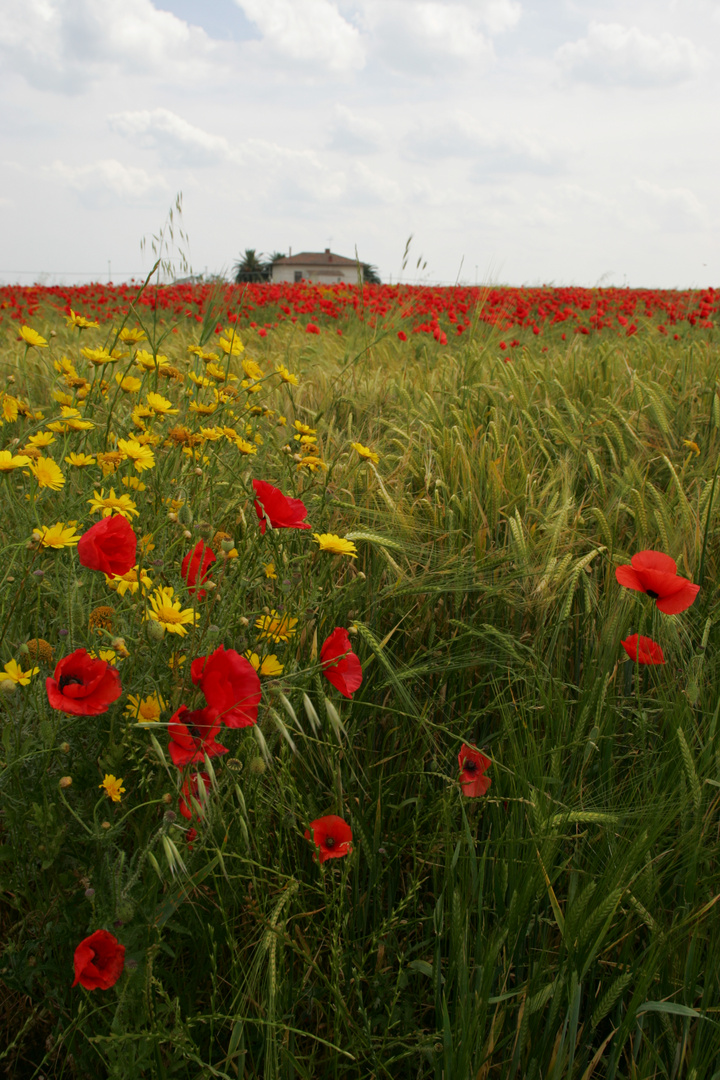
[[167, 798], [65, 781], [243, 621], [23, 650], [170, 815], [155, 631], [185, 515], [198, 471], [65, 747], [39, 574], [204, 528], [89, 893], [257, 766], [172, 516], [187, 534], [106, 825], [118, 644], [7, 686]]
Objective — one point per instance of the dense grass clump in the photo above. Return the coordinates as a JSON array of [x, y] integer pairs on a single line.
[[562, 925]]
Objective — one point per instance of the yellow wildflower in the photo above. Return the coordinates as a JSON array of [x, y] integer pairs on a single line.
[[70, 420], [62, 398], [269, 569], [312, 463], [203, 410], [276, 627], [304, 429], [286, 376], [212, 434], [146, 360], [169, 613], [113, 787], [199, 380], [73, 319], [231, 345], [40, 649], [32, 338], [692, 446], [131, 335], [133, 482], [129, 582], [106, 505], [101, 618], [80, 460], [219, 374], [10, 461], [245, 447], [56, 536], [99, 357], [141, 456], [336, 545], [147, 710], [48, 473], [109, 460], [10, 406], [268, 665], [160, 405], [129, 384], [365, 452], [12, 672]]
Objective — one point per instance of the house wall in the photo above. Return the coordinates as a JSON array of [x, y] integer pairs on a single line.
[[326, 275]]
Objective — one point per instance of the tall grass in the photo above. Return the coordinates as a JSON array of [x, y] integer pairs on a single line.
[[564, 926]]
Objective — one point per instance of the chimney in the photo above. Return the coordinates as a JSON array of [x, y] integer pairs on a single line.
[[329, 256], [290, 253]]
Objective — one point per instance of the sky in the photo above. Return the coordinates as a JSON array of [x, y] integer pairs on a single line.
[[559, 142]]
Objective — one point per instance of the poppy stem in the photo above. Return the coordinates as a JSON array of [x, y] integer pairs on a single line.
[[701, 574]]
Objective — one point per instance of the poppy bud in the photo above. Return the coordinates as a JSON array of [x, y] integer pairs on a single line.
[[185, 515], [23, 650], [155, 631], [204, 528]]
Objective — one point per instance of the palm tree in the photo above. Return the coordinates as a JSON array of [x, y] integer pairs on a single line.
[[370, 274], [249, 268], [270, 262]]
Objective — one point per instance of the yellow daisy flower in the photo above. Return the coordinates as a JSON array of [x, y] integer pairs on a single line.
[[231, 345], [99, 357], [12, 672], [129, 384], [131, 336], [56, 536], [286, 376], [10, 461], [141, 456], [169, 613], [48, 473], [73, 319], [199, 380], [269, 569], [109, 460], [62, 398], [312, 463], [336, 545], [276, 627], [147, 710], [112, 503], [268, 665], [80, 460], [304, 429], [133, 482], [113, 787], [32, 338], [245, 447], [129, 582], [203, 410], [10, 407], [160, 405], [146, 360], [219, 374], [366, 452]]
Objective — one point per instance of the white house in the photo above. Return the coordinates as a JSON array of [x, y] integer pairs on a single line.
[[321, 267]]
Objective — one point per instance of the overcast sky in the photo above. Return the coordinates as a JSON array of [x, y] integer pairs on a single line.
[[518, 141]]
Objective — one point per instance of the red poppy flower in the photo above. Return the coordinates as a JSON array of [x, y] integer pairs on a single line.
[[110, 546], [191, 788], [83, 686], [231, 685], [332, 836], [283, 512], [192, 735], [472, 766], [653, 573], [196, 565], [340, 665], [643, 650], [99, 961]]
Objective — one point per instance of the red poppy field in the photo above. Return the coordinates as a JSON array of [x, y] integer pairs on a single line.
[[358, 684]]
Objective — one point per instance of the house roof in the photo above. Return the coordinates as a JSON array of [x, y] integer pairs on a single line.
[[315, 258]]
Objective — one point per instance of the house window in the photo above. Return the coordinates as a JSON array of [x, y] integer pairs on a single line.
[[298, 275]]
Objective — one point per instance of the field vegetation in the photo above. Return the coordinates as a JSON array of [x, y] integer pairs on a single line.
[[469, 502]]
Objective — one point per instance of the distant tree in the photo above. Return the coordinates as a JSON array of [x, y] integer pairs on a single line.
[[370, 274], [249, 267], [270, 261]]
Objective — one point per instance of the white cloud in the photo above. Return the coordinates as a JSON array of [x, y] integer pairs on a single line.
[[309, 31], [353, 134], [674, 209], [422, 37], [624, 55], [109, 182], [491, 151], [178, 141], [62, 45]]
